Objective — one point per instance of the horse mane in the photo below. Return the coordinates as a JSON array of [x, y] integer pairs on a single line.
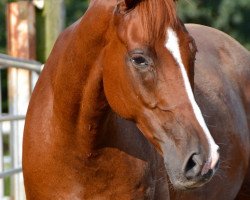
[[156, 15]]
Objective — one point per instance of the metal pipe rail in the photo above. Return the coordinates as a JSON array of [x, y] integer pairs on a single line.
[[9, 61], [4, 118], [10, 172]]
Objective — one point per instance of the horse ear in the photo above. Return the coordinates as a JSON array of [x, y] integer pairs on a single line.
[[125, 5], [131, 3]]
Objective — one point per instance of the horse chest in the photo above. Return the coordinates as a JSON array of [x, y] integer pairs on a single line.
[[112, 174]]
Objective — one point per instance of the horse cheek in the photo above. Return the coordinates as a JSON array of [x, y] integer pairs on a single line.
[[115, 92]]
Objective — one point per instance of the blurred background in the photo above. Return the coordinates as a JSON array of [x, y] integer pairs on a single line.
[[28, 30], [232, 17]]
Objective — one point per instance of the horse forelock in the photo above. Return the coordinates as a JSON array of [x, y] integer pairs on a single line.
[[157, 14]]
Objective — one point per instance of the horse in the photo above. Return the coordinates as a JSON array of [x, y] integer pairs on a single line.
[[133, 104]]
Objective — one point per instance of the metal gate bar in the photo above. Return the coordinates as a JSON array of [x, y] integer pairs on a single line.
[[7, 61], [36, 67]]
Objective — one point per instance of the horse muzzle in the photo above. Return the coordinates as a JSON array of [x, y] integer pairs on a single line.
[[195, 172]]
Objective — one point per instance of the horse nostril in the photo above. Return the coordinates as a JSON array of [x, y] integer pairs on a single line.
[[208, 174], [190, 164], [193, 166]]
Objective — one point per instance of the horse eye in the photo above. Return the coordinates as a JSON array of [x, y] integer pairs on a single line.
[[139, 61]]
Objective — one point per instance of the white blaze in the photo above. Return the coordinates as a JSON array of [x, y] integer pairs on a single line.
[[172, 45]]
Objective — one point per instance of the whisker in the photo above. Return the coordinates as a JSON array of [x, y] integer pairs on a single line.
[[159, 179], [210, 125], [204, 115], [222, 143], [220, 174]]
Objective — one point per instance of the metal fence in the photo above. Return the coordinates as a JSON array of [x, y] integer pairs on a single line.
[[11, 127]]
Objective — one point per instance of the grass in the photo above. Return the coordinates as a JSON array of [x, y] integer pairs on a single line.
[[7, 186]]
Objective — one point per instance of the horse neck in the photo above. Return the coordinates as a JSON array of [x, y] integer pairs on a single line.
[[79, 101]]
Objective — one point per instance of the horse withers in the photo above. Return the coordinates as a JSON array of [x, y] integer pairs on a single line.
[[114, 116]]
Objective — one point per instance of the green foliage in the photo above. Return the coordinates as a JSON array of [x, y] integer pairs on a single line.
[[74, 10], [2, 27], [230, 16]]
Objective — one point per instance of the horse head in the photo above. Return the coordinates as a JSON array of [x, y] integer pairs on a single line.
[[148, 72]]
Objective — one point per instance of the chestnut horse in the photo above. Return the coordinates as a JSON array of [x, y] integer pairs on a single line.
[[114, 116]]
